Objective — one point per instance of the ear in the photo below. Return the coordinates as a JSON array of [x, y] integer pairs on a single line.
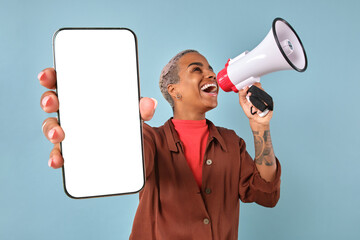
[[172, 90]]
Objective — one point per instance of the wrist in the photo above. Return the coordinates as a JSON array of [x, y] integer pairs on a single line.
[[255, 126]]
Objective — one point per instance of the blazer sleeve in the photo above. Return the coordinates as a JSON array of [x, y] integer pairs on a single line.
[[253, 188], [149, 149]]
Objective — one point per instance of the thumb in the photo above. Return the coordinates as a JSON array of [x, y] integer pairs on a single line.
[[242, 95], [147, 108]]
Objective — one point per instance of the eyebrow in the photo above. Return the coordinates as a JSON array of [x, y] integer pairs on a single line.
[[200, 64]]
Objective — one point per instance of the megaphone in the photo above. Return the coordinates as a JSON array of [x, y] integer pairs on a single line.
[[281, 49]]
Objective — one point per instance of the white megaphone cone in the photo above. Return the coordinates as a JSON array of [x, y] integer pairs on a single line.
[[280, 50]]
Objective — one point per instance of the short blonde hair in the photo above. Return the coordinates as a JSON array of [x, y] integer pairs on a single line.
[[170, 75]]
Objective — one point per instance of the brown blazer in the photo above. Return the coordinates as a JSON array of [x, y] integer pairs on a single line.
[[172, 207]]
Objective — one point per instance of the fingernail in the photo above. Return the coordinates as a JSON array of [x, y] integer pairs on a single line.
[[51, 133], [45, 101], [41, 75], [155, 101], [50, 163]]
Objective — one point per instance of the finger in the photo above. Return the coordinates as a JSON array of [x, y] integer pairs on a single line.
[[269, 115], [243, 91], [147, 108], [47, 78], [242, 95], [257, 84], [56, 160], [49, 102], [52, 130]]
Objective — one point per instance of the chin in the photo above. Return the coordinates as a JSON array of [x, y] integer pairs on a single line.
[[211, 106]]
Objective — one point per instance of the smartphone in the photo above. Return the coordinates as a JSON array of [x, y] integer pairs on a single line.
[[98, 91]]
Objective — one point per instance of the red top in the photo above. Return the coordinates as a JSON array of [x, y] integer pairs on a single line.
[[193, 134]]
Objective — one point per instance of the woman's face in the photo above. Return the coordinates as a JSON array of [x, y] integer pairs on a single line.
[[198, 86]]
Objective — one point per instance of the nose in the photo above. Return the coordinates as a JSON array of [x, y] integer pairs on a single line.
[[210, 74]]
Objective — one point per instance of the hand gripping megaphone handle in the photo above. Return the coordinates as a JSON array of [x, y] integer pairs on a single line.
[[261, 100]]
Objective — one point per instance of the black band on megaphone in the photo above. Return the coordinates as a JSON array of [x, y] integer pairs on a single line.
[[258, 103], [260, 99]]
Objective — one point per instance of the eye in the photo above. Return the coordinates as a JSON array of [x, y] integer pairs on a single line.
[[196, 69]]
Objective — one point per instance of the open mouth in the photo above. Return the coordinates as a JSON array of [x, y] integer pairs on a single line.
[[209, 88]]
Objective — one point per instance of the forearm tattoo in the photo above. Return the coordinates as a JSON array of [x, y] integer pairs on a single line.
[[263, 148]]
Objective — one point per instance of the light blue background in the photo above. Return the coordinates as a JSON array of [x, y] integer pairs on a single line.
[[315, 128]]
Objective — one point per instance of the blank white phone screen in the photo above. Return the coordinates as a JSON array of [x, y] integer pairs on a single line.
[[98, 91]]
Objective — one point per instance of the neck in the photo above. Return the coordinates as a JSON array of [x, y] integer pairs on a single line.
[[188, 115]]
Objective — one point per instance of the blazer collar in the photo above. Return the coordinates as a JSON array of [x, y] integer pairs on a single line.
[[173, 139]]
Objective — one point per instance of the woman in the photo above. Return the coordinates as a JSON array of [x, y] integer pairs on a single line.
[[195, 172]]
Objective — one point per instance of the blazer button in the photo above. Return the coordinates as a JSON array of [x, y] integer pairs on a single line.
[[206, 221], [207, 190], [208, 162]]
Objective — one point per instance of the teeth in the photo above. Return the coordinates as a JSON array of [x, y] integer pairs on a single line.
[[208, 85]]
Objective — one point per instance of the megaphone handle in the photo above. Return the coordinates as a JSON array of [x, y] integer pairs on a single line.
[[258, 112], [263, 114]]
